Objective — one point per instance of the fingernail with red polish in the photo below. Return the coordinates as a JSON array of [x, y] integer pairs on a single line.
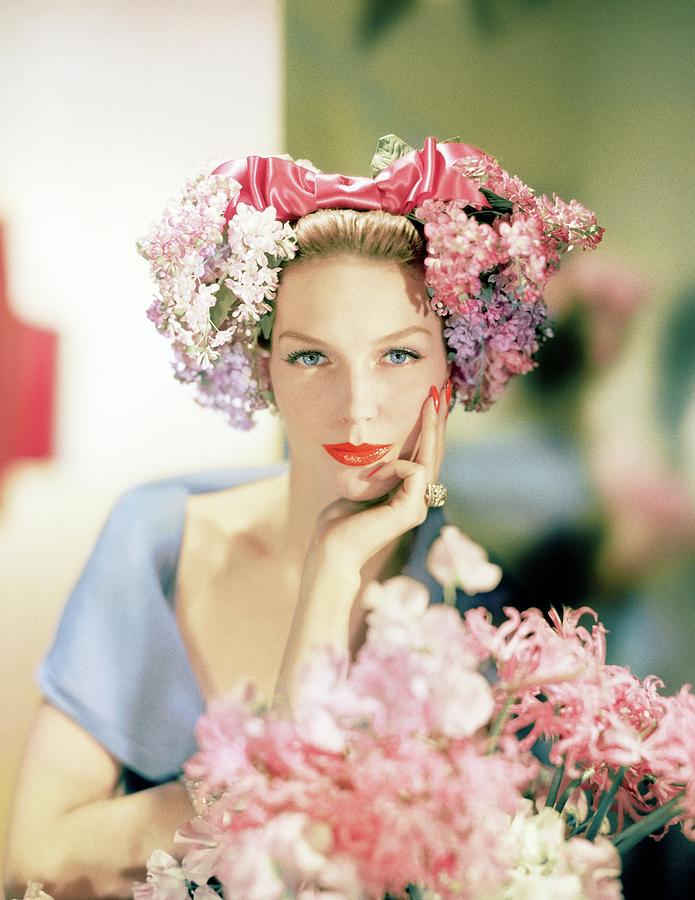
[[448, 391], [381, 465], [434, 394]]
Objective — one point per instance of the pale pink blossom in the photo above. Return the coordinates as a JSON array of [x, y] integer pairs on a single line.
[[394, 610], [165, 879], [248, 870], [457, 561]]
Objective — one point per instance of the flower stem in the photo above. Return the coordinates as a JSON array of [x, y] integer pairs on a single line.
[[558, 775], [450, 595], [636, 832], [605, 804], [499, 723], [571, 787]]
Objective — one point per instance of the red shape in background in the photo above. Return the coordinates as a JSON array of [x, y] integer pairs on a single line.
[[27, 383]]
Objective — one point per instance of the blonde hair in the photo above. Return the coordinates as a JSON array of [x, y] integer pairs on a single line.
[[373, 233]]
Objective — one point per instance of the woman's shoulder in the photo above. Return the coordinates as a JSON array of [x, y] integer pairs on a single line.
[[240, 504], [242, 517], [206, 495]]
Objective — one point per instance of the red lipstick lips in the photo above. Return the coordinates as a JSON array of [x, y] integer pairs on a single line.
[[357, 454]]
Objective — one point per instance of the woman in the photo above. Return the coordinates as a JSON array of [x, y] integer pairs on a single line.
[[190, 588]]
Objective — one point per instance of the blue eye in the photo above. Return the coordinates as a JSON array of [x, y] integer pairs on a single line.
[[310, 359], [311, 355], [403, 354]]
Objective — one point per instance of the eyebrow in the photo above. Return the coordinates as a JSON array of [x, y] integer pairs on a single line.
[[382, 340]]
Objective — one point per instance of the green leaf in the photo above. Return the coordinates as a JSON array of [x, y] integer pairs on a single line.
[[558, 775], [486, 293], [225, 300], [266, 323], [656, 819], [499, 204], [389, 148]]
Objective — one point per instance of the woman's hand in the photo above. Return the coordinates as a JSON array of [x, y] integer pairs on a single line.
[[352, 532]]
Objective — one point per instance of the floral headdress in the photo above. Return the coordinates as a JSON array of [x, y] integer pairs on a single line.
[[492, 245]]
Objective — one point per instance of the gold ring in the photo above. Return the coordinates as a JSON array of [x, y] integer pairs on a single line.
[[435, 494]]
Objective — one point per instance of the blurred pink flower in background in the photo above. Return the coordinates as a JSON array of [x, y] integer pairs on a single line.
[[612, 291]]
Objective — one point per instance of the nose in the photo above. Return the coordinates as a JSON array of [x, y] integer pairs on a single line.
[[357, 398]]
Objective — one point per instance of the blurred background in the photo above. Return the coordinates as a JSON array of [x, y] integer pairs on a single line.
[[581, 480]]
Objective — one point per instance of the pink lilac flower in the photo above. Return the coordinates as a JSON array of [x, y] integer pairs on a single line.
[[190, 262], [459, 249], [570, 223], [490, 174], [229, 383]]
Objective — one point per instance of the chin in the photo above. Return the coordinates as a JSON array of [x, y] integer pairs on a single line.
[[353, 484]]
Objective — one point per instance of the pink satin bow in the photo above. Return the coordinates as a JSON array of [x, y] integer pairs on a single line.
[[295, 191]]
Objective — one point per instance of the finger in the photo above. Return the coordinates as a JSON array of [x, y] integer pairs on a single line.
[[418, 443], [408, 499], [442, 418], [427, 454]]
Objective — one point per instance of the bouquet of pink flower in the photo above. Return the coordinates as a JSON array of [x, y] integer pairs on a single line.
[[416, 771]]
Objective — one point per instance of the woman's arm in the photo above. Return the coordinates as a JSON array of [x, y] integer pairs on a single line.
[[69, 831], [322, 617]]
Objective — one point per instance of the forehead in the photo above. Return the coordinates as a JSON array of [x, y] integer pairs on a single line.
[[352, 293]]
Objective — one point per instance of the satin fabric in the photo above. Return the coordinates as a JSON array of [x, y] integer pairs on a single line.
[[294, 191]]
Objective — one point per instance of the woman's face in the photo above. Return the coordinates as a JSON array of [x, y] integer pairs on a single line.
[[355, 350]]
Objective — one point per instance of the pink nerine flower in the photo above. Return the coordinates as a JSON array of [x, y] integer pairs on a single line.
[[529, 652], [457, 561], [670, 752]]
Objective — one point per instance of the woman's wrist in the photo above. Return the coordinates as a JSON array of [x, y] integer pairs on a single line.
[[327, 569]]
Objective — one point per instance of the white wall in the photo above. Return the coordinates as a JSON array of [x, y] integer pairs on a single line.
[[105, 107]]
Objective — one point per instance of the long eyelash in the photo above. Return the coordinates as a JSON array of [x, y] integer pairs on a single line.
[[295, 354], [413, 353]]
